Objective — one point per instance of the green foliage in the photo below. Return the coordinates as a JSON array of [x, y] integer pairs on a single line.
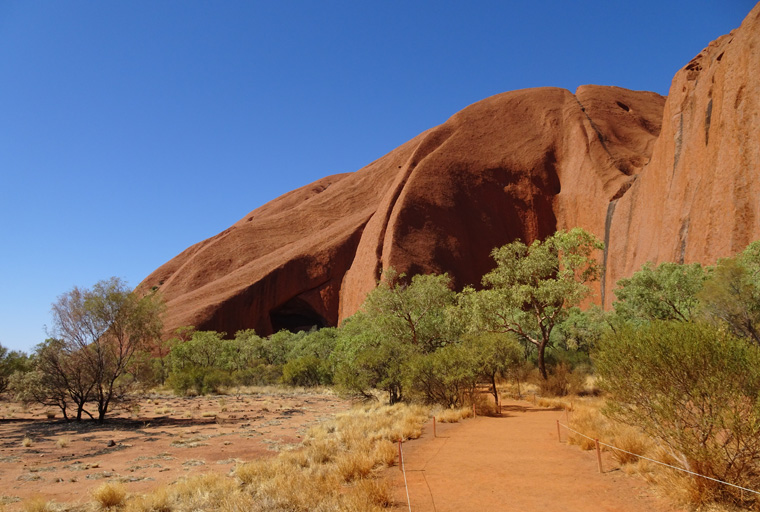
[[304, 371], [277, 347], [367, 358], [11, 361], [309, 359], [450, 375], [413, 313], [447, 376], [581, 330], [208, 363], [203, 350], [398, 320], [666, 292], [693, 387], [732, 293], [532, 287]]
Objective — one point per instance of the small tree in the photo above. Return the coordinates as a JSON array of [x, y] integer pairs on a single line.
[[447, 376], [11, 361], [732, 293], [99, 331], [666, 292], [497, 355], [532, 287], [398, 320], [366, 358]]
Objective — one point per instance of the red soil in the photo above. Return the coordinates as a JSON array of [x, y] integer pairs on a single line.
[[166, 439], [514, 463]]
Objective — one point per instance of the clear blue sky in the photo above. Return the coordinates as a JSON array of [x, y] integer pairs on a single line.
[[132, 130]]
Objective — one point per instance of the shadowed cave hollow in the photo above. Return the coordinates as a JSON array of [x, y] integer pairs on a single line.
[[296, 315]]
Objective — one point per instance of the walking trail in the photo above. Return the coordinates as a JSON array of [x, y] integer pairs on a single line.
[[513, 463]]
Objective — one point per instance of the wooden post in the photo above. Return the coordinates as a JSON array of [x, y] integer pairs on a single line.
[[598, 455], [400, 457], [559, 438], [434, 427]]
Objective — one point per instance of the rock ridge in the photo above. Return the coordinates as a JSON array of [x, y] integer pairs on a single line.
[[657, 179]]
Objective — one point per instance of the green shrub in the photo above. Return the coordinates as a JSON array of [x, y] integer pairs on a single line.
[[694, 388], [447, 376], [303, 371]]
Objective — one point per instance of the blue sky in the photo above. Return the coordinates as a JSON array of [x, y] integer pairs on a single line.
[[132, 130]]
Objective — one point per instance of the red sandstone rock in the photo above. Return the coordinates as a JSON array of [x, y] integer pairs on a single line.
[[697, 199], [516, 165]]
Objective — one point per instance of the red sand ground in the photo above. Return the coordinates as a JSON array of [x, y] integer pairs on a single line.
[[168, 438], [508, 463], [514, 463]]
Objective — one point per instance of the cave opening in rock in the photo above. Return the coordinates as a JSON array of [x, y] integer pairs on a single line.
[[296, 315]]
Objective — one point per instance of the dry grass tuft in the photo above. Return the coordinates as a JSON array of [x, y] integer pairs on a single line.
[[355, 465], [63, 442], [631, 440], [386, 452], [590, 422], [109, 495], [484, 405], [453, 415], [333, 469], [157, 501], [26, 442], [368, 495], [37, 504]]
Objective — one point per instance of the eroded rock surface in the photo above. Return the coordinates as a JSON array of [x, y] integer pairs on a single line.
[[658, 180]]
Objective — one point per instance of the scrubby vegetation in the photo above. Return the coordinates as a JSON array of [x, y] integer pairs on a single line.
[[677, 359]]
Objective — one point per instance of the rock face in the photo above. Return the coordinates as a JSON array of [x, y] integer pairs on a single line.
[[697, 200], [658, 180]]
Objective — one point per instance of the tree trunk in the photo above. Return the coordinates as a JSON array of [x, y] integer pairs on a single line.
[[541, 362], [494, 391], [394, 394]]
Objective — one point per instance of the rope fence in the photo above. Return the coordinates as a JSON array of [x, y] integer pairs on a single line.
[[597, 442]]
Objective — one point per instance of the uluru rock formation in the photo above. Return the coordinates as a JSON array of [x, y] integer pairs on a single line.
[[658, 180]]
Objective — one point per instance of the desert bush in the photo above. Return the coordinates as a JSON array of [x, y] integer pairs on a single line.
[[304, 371], [260, 374], [695, 389], [37, 504], [632, 441], [11, 362], [484, 404], [447, 376], [562, 381], [453, 415], [109, 495]]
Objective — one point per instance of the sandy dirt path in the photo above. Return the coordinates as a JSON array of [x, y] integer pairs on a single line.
[[514, 463]]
